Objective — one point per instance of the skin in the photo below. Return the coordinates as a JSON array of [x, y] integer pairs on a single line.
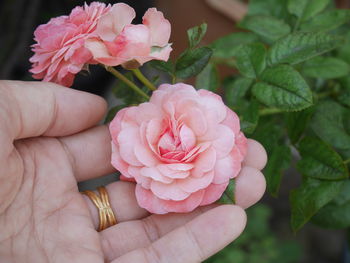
[[49, 142]]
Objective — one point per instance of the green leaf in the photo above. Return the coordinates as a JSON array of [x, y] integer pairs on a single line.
[[162, 65], [306, 9], [269, 134], [336, 214], [325, 68], [344, 97], [235, 90], [279, 161], [344, 51], [276, 8], [268, 27], [284, 88], [296, 123], [298, 47], [249, 117], [251, 59], [328, 124], [192, 62], [320, 161], [228, 197], [327, 21], [208, 79], [196, 34], [309, 198], [112, 112], [226, 46]]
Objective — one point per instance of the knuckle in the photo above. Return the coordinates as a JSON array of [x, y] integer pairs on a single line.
[[151, 229]]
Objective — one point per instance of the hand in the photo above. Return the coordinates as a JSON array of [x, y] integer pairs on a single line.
[[48, 144]]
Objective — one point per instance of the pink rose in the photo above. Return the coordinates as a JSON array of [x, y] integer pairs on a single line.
[[181, 148], [60, 52], [121, 43]]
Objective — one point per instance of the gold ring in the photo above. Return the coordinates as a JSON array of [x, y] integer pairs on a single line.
[[105, 212]]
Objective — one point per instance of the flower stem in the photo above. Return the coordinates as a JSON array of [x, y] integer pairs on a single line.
[[347, 161], [143, 79], [297, 24], [270, 111], [132, 85], [173, 79]]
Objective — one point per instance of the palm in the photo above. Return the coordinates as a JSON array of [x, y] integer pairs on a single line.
[[52, 220], [44, 218]]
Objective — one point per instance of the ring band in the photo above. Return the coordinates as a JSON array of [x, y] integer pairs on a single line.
[[105, 212]]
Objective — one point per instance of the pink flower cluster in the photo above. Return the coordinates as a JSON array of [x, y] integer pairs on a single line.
[[181, 148], [97, 33]]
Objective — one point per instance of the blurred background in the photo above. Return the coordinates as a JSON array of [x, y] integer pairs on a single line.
[[268, 237]]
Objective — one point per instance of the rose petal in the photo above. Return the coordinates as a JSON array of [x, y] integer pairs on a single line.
[[147, 200], [168, 191], [241, 144], [185, 206], [227, 168], [187, 137], [193, 184], [145, 182], [145, 155], [147, 112], [166, 170], [153, 173], [101, 54], [159, 26], [213, 193], [213, 104], [127, 139], [204, 163], [115, 125], [118, 162], [232, 121], [225, 141], [112, 23], [201, 147], [196, 121]]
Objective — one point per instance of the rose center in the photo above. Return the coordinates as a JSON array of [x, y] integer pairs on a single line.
[[176, 141]]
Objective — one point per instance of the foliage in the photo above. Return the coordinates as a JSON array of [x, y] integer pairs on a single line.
[[292, 93], [258, 243], [290, 86]]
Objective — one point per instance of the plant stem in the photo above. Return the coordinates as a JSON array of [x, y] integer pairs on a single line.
[[143, 79], [325, 94], [347, 161], [132, 85], [270, 111], [297, 24]]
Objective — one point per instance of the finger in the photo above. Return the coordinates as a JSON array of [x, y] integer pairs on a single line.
[[42, 108], [90, 152], [123, 203], [256, 155], [141, 233], [34, 108], [195, 241], [250, 187]]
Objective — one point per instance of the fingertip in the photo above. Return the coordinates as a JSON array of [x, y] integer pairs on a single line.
[[82, 109], [256, 155], [250, 187], [96, 105], [228, 221], [217, 227], [237, 215]]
